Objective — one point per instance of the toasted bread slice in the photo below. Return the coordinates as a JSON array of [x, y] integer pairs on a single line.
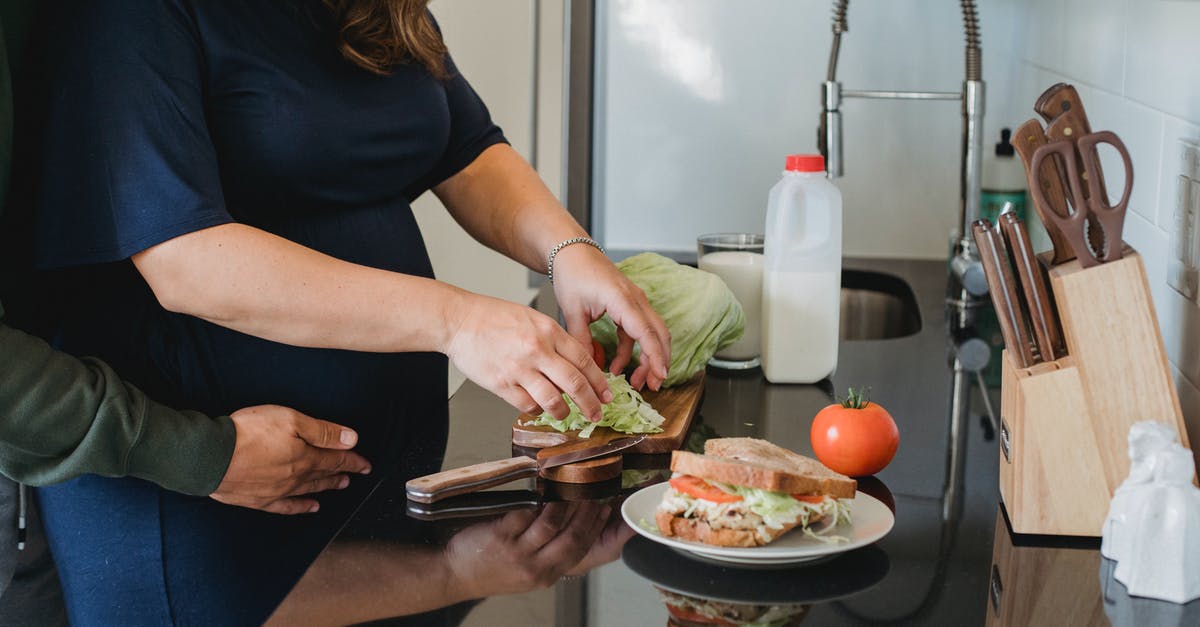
[[759, 464], [697, 530]]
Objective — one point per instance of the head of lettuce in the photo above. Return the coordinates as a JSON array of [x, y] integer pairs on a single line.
[[700, 311]]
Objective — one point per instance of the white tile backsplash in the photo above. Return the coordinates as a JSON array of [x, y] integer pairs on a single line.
[[1161, 57], [1189, 399], [1042, 43], [1093, 42]]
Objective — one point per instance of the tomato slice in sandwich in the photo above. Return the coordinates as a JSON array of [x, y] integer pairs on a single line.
[[696, 617], [698, 488], [816, 499]]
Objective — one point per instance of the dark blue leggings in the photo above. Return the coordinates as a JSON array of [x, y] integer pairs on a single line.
[[130, 553]]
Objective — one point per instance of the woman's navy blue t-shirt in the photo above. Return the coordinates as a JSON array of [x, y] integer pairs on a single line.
[[169, 116]]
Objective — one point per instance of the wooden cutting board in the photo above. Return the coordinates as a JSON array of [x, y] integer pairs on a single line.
[[677, 405]]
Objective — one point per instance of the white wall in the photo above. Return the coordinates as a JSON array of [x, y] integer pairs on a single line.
[[1136, 64], [701, 100]]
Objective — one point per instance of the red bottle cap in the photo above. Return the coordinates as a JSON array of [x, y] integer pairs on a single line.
[[805, 163]]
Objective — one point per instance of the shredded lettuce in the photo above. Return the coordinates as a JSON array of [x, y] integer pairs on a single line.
[[779, 508], [628, 412], [634, 477]]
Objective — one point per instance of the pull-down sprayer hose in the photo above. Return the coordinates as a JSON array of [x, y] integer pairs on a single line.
[[974, 57]]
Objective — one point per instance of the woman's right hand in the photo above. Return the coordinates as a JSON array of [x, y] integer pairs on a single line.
[[524, 357]]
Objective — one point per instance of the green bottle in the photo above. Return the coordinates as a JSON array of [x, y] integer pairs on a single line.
[[1003, 181]]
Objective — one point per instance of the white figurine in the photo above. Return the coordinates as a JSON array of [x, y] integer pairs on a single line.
[[1153, 524]]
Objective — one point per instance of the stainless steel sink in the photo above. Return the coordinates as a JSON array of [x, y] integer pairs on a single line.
[[877, 306]]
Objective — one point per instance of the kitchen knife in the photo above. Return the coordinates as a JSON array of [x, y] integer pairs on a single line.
[[1046, 331], [447, 483], [1004, 293], [1026, 140]]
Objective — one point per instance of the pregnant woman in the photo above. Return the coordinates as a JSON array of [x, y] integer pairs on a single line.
[[225, 207]]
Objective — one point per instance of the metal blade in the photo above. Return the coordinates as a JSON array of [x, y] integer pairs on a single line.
[[592, 452]]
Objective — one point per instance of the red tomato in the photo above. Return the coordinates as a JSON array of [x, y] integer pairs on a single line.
[[856, 438], [809, 498], [598, 354], [699, 488]]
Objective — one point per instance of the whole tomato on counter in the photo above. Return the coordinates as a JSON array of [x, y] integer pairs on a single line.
[[855, 437]]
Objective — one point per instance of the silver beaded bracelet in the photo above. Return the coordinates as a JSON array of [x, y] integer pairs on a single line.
[[563, 244]]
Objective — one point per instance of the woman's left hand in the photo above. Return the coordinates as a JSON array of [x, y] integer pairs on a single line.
[[588, 285]]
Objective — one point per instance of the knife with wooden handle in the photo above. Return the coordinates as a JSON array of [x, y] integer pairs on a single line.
[[1046, 330], [1003, 289], [447, 483], [1026, 140]]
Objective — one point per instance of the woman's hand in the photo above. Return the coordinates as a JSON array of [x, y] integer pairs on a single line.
[[525, 358], [526, 549], [281, 454], [588, 285]]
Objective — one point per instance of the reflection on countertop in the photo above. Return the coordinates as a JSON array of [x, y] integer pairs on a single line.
[[934, 568]]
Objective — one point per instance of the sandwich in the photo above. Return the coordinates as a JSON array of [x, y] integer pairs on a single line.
[[745, 492], [686, 611]]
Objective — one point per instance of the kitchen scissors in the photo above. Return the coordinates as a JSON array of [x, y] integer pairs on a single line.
[[1087, 205]]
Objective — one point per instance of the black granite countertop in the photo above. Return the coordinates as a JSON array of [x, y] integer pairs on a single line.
[[941, 564]]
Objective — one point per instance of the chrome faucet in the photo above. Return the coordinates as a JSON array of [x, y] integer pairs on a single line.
[[967, 287], [965, 261]]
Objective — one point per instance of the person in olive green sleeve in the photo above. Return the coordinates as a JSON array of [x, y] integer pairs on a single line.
[[61, 417]]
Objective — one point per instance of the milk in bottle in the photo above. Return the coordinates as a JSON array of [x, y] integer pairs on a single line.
[[802, 269]]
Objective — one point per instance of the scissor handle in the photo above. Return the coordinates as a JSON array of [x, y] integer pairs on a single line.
[[1091, 163], [1065, 150]]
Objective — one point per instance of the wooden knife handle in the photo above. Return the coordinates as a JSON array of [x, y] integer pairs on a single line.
[[1071, 126], [1026, 140], [1003, 292], [479, 505], [1061, 98], [1045, 327], [447, 483]]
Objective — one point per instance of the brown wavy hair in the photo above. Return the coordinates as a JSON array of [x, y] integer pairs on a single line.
[[377, 35]]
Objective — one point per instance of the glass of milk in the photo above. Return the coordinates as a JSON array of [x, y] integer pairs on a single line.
[[738, 259]]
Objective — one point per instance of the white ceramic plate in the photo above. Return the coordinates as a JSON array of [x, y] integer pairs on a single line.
[[871, 520]]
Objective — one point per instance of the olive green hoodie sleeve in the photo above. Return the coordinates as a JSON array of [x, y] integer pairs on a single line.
[[61, 417]]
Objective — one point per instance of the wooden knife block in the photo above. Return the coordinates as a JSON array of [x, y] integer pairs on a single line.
[[1044, 582], [1065, 424]]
